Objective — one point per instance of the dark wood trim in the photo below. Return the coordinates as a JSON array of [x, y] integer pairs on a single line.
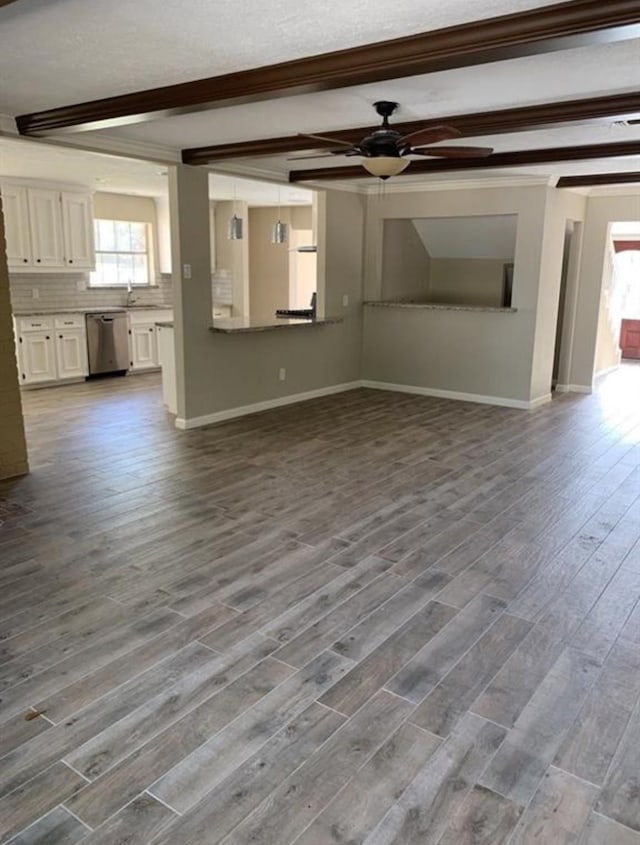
[[625, 178], [576, 23], [6, 2], [515, 159], [541, 116]]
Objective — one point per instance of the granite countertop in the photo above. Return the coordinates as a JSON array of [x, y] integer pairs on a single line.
[[231, 325], [105, 309], [438, 306]]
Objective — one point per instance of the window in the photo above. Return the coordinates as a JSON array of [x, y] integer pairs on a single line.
[[122, 253]]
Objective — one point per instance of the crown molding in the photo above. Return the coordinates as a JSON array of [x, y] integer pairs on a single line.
[[537, 31], [460, 184]]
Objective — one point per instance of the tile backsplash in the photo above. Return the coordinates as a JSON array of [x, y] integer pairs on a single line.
[[69, 291]]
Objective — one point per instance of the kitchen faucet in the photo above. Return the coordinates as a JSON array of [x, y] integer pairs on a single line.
[[130, 299]]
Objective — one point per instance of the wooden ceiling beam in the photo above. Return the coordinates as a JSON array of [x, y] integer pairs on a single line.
[[512, 159], [627, 177], [542, 116], [576, 23]]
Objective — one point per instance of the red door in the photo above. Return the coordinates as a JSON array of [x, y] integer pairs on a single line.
[[630, 338]]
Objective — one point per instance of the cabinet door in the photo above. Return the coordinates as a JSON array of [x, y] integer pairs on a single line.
[[37, 357], [77, 220], [16, 226], [71, 354], [45, 222], [144, 349]]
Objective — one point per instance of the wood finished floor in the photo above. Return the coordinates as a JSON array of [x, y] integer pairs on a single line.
[[369, 619]]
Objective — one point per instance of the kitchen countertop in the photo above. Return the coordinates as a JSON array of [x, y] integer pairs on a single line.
[[234, 325], [437, 306], [106, 309]]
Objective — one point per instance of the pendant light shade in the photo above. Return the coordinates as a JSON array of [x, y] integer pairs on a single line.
[[234, 232], [279, 233], [235, 227]]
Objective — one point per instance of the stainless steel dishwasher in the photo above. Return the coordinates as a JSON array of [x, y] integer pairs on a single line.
[[108, 342]]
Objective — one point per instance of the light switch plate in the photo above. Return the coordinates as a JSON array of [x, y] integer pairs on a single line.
[[186, 271], [345, 300]]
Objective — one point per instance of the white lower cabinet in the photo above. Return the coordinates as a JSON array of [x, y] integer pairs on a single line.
[[143, 346], [51, 348], [71, 354], [37, 357], [143, 337]]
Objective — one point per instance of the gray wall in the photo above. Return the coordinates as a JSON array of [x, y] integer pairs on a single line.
[[231, 371], [405, 262], [469, 281]]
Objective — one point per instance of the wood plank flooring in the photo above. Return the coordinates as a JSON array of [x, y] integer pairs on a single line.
[[368, 619]]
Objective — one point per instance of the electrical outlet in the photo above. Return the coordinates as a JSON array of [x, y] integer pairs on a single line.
[[80, 285], [345, 300], [35, 293], [282, 374], [186, 271]]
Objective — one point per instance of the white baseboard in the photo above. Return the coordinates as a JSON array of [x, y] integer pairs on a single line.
[[608, 370], [540, 400], [503, 401], [243, 410], [573, 388]]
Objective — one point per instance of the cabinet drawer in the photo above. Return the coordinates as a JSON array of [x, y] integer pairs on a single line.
[[35, 324], [70, 321], [139, 316]]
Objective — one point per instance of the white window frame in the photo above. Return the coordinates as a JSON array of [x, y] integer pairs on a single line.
[[148, 252]]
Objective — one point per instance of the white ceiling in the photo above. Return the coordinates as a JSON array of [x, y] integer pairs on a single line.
[[114, 174], [57, 52], [490, 236]]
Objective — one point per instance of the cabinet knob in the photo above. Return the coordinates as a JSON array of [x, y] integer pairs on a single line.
[[47, 337], [25, 260], [37, 261], [71, 261], [151, 330], [60, 336]]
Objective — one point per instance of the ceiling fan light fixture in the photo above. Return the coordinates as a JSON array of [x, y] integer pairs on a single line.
[[385, 166]]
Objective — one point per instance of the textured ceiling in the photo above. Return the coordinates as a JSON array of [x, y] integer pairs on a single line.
[[536, 79], [56, 52]]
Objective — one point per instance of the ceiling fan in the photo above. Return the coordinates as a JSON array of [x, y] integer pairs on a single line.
[[385, 152]]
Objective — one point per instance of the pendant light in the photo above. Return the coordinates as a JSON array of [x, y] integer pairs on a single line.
[[234, 231], [279, 230]]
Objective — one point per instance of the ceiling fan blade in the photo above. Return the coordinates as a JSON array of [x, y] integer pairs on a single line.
[[452, 152], [430, 135], [318, 155], [335, 141]]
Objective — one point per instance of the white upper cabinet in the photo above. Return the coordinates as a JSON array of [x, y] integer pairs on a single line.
[[77, 221], [47, 230], [45, 223], [16, 225]]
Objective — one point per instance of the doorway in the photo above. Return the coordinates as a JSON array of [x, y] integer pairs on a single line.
[[619, 317]]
